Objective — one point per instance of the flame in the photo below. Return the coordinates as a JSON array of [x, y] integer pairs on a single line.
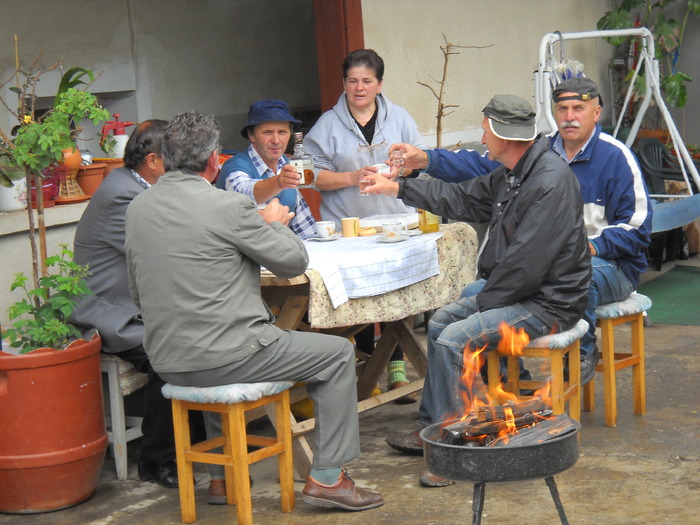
[[513, 340], [475, 397]]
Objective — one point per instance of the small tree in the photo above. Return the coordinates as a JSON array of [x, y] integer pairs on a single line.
[[447, 50], [39, 142]]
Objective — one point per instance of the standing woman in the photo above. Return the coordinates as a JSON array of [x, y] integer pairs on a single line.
[[345, 143], [348, 139]]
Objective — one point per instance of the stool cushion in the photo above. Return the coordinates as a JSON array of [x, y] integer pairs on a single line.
[[130, 379], [562, 339], [234, 393], [636, 303]]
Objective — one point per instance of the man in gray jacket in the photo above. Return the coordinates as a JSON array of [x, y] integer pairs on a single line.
[[194, 255], [533, 269], [99, 243]]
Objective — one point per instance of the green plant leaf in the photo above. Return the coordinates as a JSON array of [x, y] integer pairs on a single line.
[[667, 33], [674, 88], [71, 78], [617, 19], [46, 323]]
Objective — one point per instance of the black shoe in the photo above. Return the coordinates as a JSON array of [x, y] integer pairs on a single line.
[[164, 474], [588, 365], [409, 442]]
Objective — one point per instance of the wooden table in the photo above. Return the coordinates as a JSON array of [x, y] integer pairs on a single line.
[[302, 303]]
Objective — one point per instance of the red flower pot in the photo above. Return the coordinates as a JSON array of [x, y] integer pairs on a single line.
[[49, 190], [52, 436]]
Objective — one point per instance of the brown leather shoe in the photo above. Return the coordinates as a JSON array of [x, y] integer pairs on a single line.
[[428, 479], [344, 495], [409, 442], [408, 398], [217, 492]]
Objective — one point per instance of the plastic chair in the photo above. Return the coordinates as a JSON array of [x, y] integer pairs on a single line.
[[122, 380], [658, 165]]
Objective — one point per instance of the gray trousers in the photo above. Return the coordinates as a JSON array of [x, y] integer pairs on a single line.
[[325, 362]]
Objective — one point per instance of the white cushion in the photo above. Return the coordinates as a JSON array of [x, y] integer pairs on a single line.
[[634, 304], [562, 339], [234, 393]]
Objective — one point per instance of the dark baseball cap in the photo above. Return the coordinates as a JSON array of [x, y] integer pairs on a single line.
[[511, 118], [583, 87], [269, 111]]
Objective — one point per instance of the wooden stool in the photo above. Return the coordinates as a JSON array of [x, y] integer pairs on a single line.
[[631, 310], [552, 347], [122, 380], [232, 402]]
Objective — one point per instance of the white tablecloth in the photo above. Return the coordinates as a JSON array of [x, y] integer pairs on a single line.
[[363, 266]]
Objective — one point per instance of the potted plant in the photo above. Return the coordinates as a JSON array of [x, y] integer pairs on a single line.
[[657, 16], [52, 437]]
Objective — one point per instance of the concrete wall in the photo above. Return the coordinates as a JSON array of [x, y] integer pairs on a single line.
[[161, 58]]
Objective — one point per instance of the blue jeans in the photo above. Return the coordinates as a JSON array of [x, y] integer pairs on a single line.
[[609, 284], [453, 330]]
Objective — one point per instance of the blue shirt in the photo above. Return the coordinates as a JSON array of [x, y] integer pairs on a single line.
[[303, 223]]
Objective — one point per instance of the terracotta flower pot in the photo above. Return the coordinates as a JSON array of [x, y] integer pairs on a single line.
[[90, 177], [69, 191], [52, 436], [111, 164]]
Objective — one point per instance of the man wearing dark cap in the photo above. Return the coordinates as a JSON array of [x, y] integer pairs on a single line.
[[534, 266], [617, 209], [263, 172]]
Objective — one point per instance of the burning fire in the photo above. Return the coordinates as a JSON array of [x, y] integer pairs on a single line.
[[479, 403]]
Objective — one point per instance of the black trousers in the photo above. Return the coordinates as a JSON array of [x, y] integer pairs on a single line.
[[158, 441], [364, 340]]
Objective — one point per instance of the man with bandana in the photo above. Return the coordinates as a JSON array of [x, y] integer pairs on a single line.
[[616, 211]]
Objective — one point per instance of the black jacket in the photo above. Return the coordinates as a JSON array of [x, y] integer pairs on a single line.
[[536, 252]]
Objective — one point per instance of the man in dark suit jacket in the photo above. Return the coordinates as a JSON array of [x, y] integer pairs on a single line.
[[99, 243]]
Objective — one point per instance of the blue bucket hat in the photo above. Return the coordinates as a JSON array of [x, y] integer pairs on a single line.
[[269, 111]]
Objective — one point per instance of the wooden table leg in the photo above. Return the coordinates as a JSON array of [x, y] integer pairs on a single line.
[[377, 363], [411, 346]]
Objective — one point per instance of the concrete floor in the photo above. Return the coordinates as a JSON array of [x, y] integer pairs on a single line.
[[646, 470]]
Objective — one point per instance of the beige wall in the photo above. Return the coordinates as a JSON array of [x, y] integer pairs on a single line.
[[408, 35]]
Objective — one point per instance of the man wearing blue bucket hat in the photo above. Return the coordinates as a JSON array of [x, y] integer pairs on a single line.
[[263, 171]]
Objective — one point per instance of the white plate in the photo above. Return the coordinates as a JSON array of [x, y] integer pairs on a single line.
[[390, 240], [412, 233], [333, 237]]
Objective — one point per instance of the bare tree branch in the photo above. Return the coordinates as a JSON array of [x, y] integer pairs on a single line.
[[448, 49]]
